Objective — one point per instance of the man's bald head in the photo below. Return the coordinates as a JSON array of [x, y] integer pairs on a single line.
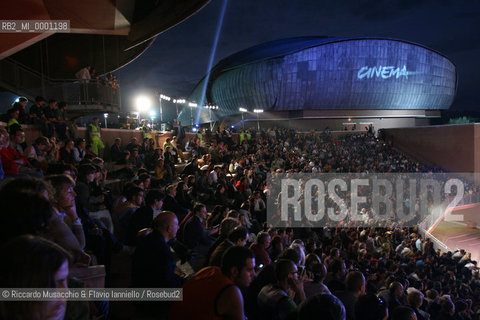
[[163, 220], [167, 224]]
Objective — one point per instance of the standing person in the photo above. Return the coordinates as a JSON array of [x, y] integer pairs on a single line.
[[84, 74], [180, 134], [95, 136], [146, 130]]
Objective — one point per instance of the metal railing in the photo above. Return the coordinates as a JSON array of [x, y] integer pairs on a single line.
[[76, 92], [25, 81]]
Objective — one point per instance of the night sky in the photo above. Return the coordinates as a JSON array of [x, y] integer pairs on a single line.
[[179, 57]]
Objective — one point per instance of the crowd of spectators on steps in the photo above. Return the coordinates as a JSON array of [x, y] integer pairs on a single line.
[[192, 214]]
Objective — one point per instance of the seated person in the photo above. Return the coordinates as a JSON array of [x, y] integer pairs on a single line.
[[64, 202], [122, 218], [194, 234], [259, 248], [144, 216], [322, 306], [153, 262], [116, 151], [170, 203], [38, 151], [12, 161], [67, 152], [370, 307], [27, 210], [33, 262], [215, 292], [237, 237], [274, 299]]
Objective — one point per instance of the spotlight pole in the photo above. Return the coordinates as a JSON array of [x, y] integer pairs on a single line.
[[243, 110], [161, 110], [191, 105], [257, 111]]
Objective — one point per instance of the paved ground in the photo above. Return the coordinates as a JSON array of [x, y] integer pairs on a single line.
[[459, 236]]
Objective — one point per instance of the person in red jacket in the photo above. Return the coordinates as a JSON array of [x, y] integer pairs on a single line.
[[11, 159]]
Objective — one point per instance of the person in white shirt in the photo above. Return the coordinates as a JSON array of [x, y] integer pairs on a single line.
[[84, 74]]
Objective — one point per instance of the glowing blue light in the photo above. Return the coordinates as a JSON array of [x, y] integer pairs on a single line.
[[194, 129], [212, 56]]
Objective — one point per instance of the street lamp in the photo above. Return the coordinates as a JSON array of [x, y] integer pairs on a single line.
[[210, 108], [257, 111], [105, 115], [143, 103], [152, 116], [162, 97], [191, 105], [177, 102], [243, 110]]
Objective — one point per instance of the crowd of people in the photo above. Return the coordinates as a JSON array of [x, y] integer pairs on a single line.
[[201, 202]]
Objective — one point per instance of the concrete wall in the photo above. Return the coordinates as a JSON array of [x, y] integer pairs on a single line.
[[453, 147], [108, 135]]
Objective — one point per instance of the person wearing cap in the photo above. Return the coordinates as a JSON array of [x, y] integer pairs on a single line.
[[95, 136]]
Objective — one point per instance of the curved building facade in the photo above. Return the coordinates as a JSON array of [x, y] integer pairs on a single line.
[[318, 73]]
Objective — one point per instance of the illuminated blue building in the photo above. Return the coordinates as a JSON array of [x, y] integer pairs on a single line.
[[320, 73]]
